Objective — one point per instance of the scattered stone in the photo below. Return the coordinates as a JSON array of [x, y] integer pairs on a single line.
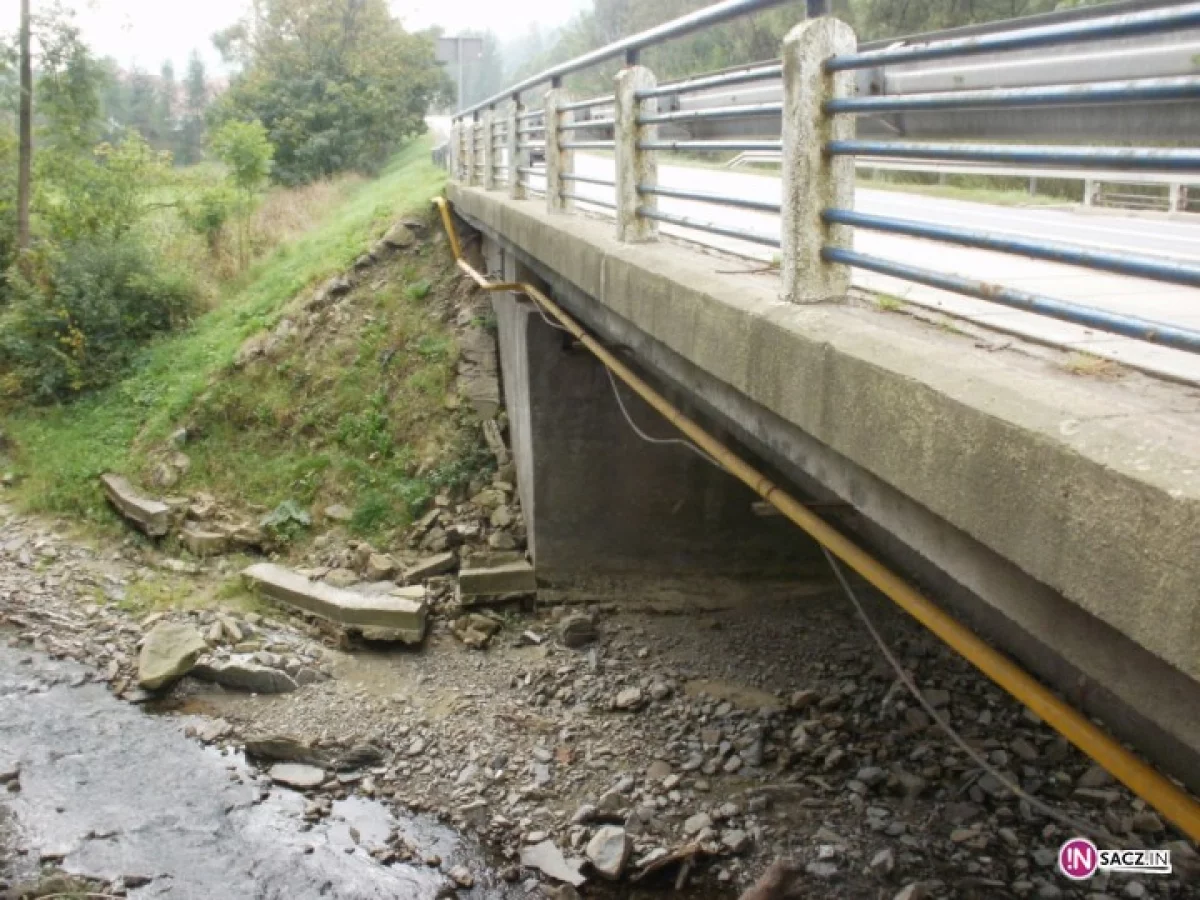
[[577, 631], [297, 775], [915, 891], [630, 698], [1095, 777], [548, 859], [243, 674], [462, 877], [339, 512], [697, 823], [608, 851], [510, 578], [883, 862], [169, 651], [203, 543], [430, 566], [150, 516]]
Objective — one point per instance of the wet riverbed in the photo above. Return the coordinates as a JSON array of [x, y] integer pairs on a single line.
[[108, 792]]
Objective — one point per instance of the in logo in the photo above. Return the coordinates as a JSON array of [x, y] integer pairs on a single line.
[[1078, 859]]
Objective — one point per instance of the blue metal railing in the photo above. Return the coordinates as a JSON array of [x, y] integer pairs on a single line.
[[595, 118], [1117, 158]]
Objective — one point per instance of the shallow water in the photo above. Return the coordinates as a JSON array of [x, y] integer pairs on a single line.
[[108, 791]]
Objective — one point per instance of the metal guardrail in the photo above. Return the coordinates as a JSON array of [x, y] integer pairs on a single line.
[[818, 151]]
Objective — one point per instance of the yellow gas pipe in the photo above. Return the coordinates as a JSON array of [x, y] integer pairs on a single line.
[[1142, 779]]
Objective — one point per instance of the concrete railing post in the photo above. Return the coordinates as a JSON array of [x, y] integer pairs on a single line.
[[634, 166], [558, 160], [1175, 195], [518, 159], [469, 129], [454, 151], [489, 150], [812, 179]]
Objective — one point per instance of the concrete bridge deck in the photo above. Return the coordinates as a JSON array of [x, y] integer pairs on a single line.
[[1057, 513]]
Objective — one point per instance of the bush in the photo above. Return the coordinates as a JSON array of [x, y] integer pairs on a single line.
[[79, 313]]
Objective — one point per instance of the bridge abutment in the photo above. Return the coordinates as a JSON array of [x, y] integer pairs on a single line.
[[601, 501]]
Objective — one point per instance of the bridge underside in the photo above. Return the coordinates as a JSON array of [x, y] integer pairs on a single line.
[[1056, 515]]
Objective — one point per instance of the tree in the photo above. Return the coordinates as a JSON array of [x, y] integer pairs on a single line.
[[167, 89], [338, 84], [247, 153], [144, 108], [195, 102], [25, 151]]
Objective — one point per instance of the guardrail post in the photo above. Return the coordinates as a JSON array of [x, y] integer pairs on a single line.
[[634, 166], [558, 160], [813, 180], [1175, 195], [489, 150], [517, 158], [469, 151]]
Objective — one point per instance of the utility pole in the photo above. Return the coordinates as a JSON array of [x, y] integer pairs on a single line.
[[461, 64], [25, 152]]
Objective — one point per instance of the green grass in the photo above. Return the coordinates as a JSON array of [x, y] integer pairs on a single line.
[[61, 451]]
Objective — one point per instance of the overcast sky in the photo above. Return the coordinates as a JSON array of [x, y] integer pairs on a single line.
[[148, 31]]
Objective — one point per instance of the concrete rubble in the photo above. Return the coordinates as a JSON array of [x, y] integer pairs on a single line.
[[150, 516], [402, 611]]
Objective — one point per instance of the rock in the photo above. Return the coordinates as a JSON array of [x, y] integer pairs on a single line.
[[608, 851], [203, 543], [341, 578], [243, 674], [169, 651], [883, 862], [399, 236], [548, 859], [150, 516], [576, 631], [338, 512], [379, 567], [430, 566], [1147, 822], [915, 891], [1095, 777], [821, 869], [735, 840], [474, 584], [403, 610], [462, 877], [297, 775], [282, 748], [697, 823], [630, 698]]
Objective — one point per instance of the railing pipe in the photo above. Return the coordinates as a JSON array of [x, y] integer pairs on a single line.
[[684, 25], [579, 124], [765, 206], [1122, 158], [588, 104], [742, 76], [716, 112], [579, 198], [1102, 29], [740, 234], [1162, 333], [587, 179], [711, 146], [1120, 263], [1146, 90]]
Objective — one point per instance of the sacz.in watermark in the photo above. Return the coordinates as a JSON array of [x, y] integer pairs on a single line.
[[1079, 860]]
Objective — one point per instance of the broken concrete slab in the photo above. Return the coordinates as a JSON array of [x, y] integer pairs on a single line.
[[509, 578], [169, 651], [297, 775], [547, 858], [203, 543], [244, 674], [430, 566], [402, 611], [150, 516]]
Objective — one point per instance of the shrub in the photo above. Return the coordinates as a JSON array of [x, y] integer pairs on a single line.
[[79, 312]]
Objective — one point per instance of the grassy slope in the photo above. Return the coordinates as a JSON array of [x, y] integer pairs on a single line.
[[60, 452]]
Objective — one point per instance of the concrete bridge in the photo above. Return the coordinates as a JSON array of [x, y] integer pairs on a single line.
[[1054, 510]]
